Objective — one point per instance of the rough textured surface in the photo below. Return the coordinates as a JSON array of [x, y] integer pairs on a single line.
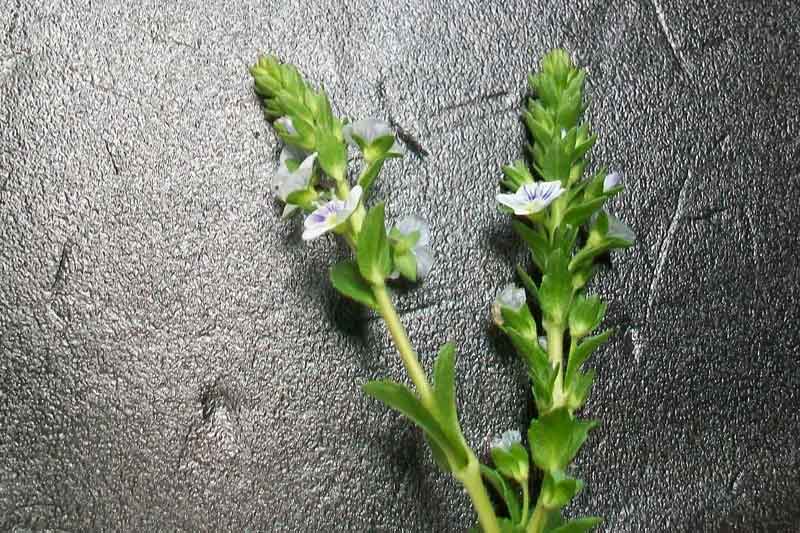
[[173, 359]]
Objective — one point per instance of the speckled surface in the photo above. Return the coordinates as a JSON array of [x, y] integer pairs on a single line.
[[173, 359]]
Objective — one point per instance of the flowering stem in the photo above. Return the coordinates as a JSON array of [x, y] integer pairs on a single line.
[[526, 500], [539, 518], [555, 351], [469, 475], [403, 344]]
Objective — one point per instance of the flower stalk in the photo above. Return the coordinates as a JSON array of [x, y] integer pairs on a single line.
[[560, 216]]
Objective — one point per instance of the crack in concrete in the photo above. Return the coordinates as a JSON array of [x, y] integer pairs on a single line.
[[673, 45], [666, 246], [62, 265], [663, 253], [111, 156], [471, 101]]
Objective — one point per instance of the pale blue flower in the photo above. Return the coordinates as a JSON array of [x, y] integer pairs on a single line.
[[543, 342], [532, 197], [618, 230], [331, 214], [511, 297], [286, 182], [507, 439], [611, 181], [367, 131], [287, 123], [421, 250]]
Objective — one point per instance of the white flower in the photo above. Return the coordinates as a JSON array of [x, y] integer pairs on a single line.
[[286, 182], [543, 342], [511, 297], [619, 230], [421, 250], [507, 439], [611, 181], [331, 214], [532, 197], [368, 130], [287, 123]]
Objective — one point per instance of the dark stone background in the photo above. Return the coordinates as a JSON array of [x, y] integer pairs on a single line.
[[173, 359]]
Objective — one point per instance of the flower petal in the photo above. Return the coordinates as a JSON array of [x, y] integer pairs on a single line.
[[352, 200], [287, 123], [619, 230], [517, 203], [412, 223], [611, 181], [370, 129], [507, 439], [511, 297], [288, 182], [425, 258], [292, 152]]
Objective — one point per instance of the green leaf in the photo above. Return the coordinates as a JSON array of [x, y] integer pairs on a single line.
[[585, 315], [579, 525], [503, 489], [406, 264], [512, 462], [398, 397], [370, 172], [304, 197], [444, 382], [582, 352], [555, 291], [346, 279], [439, 457], [555, 439], [530, 351], [373, 253], [579, 389], [332, 156], [378, 148], [536, 241], [528, 282], [579, 214], [558, 490], [541, 374]]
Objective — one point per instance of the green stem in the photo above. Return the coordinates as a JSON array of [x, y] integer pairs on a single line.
[[555, 351], [470, 477], [526, 501], [538, 520], [403, 344]]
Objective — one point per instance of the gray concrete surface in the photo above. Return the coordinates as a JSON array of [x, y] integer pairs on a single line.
[[173, 359]]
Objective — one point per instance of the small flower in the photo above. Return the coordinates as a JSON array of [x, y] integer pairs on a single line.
[[532, 197], [287, 123], [367, 131], [507, 439], [611, 181], [286, 182], [543, 342], [620, 231], [421, 249], [331, 214], [511, 297]]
